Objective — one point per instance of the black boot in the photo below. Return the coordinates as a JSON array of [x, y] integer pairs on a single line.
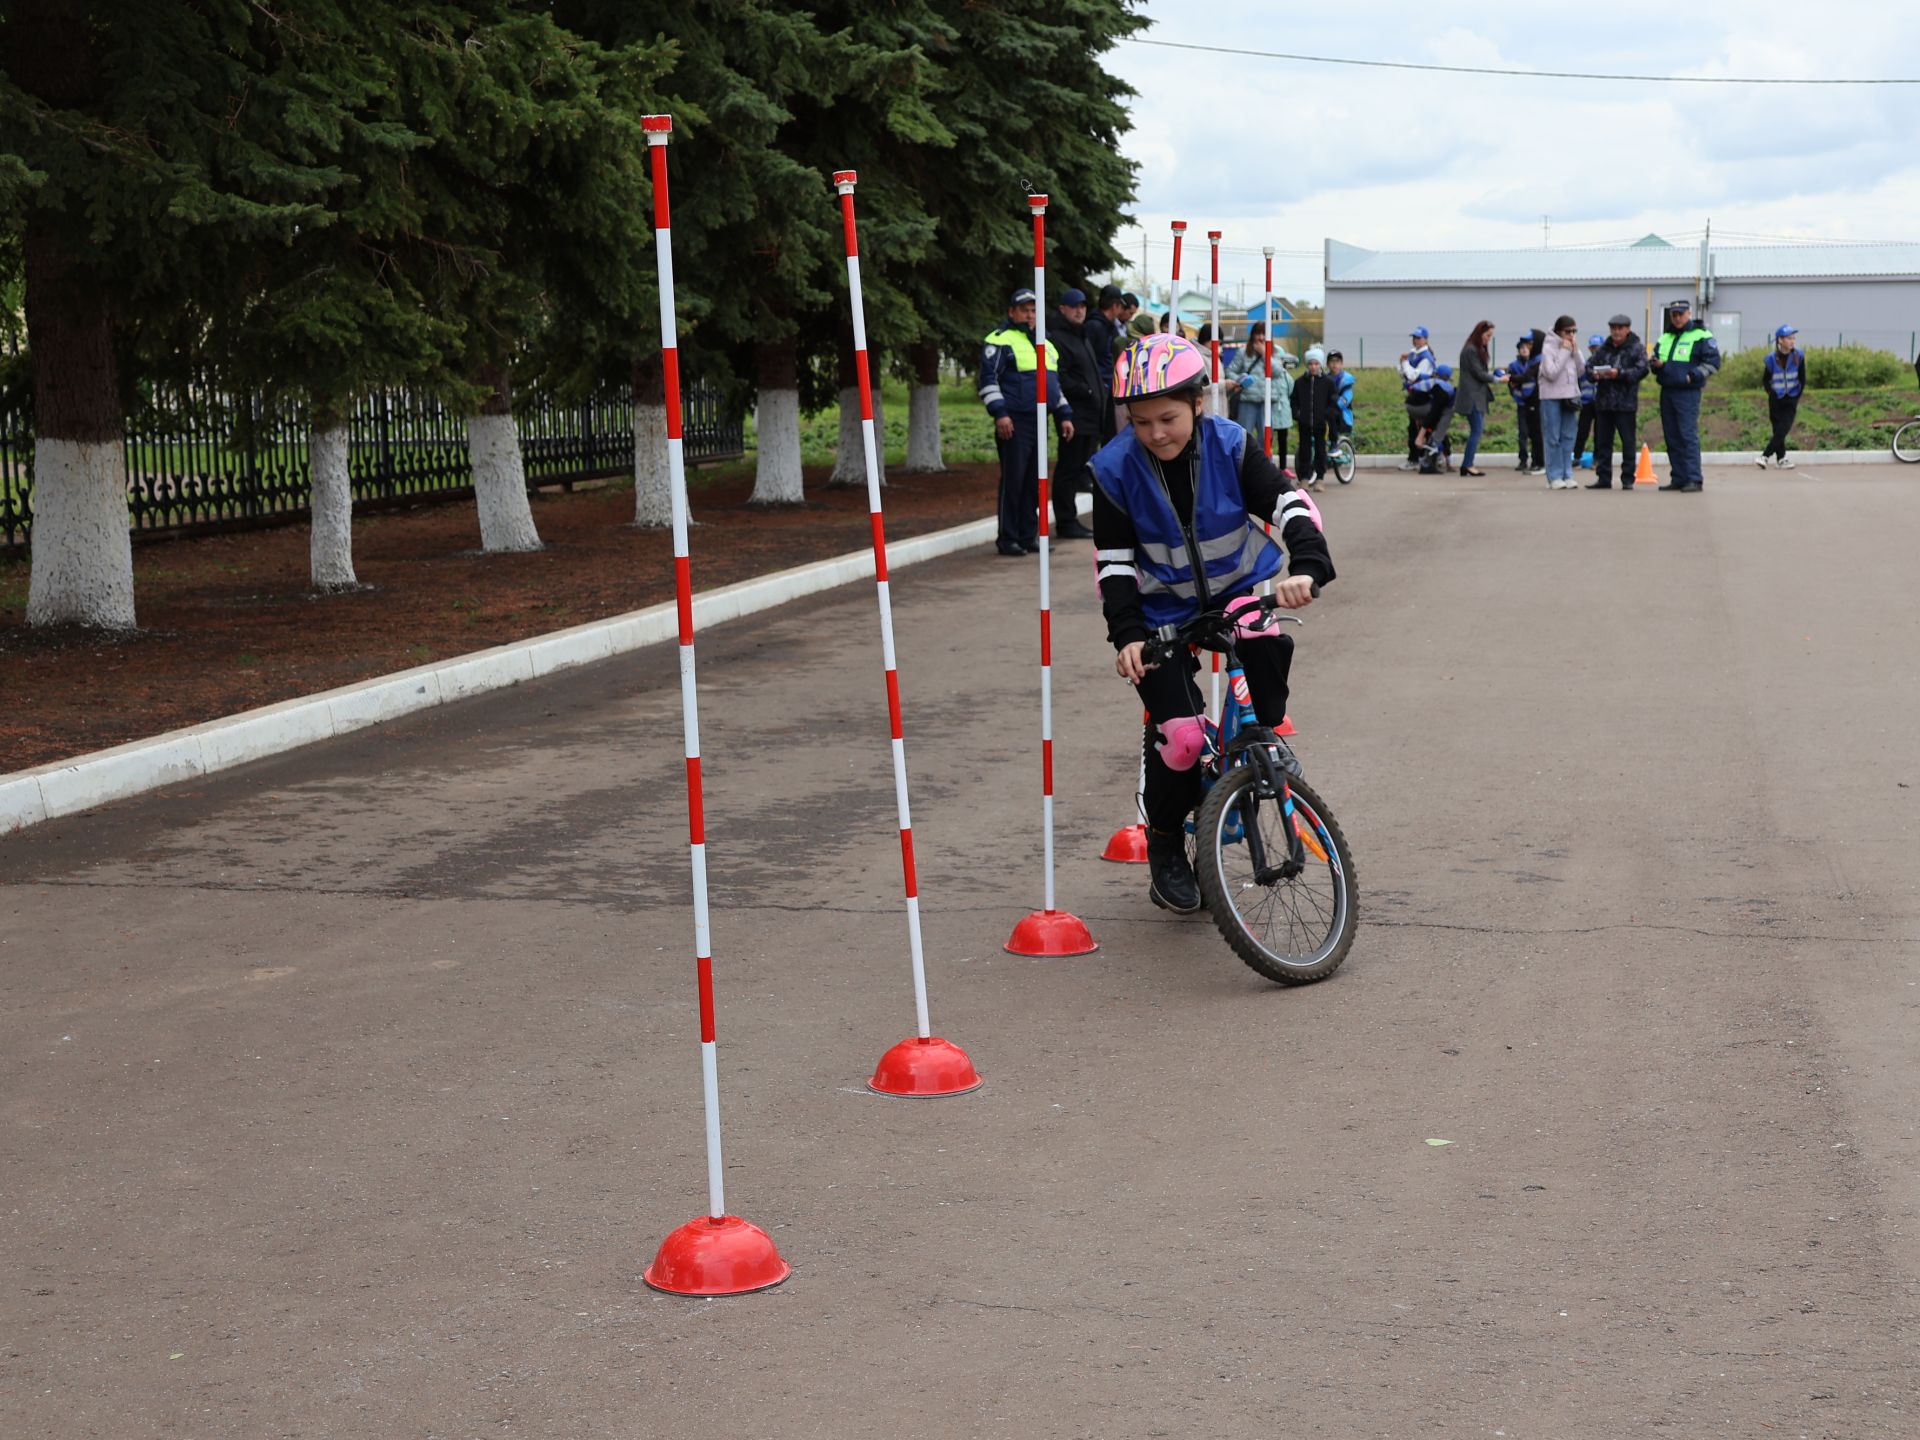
[[1170, 883]]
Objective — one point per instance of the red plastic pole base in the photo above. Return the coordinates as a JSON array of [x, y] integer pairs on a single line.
[[1050, 932], [716, 1256], [923, 1069], [1128, 846]]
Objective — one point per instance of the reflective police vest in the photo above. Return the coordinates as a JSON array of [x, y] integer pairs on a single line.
[[1678, 345], [1026, 355], [1233, 553], [1786, 374]]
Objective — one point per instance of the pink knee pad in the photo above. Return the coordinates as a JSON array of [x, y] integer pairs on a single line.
[[1181, 743]]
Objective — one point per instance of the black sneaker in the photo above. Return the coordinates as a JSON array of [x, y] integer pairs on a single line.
[[1170, 883], [1071, 530]]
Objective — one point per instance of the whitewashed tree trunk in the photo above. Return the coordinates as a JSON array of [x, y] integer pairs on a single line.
[[850, 464], [777, 478], [330, 551], [500, 484], [923, 430], [82, 549], [652, 480]]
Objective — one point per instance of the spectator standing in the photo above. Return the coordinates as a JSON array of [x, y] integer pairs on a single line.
[[1684, 359], [1343, 392], [1106, 332], [1009, 361], [1129, 307], [1474, 377], [1523, 384], [1083, 380], [1416, 374], [1561, 364], [1617, 368], [1312, 410], [1581, 457], [1785, 378], [1247, 384]]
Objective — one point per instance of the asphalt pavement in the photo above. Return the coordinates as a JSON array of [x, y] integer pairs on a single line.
[[347, 1094]]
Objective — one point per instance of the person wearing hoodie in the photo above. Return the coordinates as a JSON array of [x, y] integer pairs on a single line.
[[1247, 384], [1561, 365], [1312, 409], [1617, 368]]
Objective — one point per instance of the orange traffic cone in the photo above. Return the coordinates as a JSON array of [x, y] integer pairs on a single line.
[[1643, 472]]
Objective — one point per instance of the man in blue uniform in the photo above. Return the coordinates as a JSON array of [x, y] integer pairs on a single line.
[[1008, 387], [1683, 361]]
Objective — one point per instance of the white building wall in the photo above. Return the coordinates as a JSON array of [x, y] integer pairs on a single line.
[[1370, 324]]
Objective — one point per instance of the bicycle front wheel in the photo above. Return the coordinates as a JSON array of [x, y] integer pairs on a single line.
[[1343, 463], [1293, 930], [1906, 443]]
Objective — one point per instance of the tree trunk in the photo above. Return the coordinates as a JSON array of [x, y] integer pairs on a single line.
[[923, 413], [777, 478], [850, 461], [82, 569], [499, 474], [652, 478], [330, 550]]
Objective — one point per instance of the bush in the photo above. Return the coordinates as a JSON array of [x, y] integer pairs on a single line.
[[1842, 367]]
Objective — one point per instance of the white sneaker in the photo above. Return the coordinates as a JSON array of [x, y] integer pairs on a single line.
[[1785, 462], [1763, 461], [1406, 465]]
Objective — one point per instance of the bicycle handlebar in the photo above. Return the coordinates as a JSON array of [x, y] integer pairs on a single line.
[[1211, 628]]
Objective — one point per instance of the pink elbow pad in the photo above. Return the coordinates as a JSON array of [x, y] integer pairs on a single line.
[[1313, 510], [1181, 743]]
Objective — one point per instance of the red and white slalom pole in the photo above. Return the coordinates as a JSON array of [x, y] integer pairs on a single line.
[[718, 1253], [1266, 408], [1046, 931], [926, 1065], [1217, 405]]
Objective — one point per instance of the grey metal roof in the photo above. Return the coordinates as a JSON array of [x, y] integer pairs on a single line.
[[1349, 265]]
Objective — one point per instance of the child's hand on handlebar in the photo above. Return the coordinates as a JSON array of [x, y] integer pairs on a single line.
[[1293, 593], [1130, 664]]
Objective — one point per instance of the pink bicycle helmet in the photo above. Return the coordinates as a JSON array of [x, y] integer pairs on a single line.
[[1158, 365]]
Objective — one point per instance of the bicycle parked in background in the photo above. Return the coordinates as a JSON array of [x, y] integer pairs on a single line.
[[1906, 442]]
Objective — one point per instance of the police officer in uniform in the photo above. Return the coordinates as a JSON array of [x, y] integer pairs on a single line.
[[1008, 388], [1683, 360]]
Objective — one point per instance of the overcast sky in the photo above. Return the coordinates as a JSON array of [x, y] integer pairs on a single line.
[[1281, 153]]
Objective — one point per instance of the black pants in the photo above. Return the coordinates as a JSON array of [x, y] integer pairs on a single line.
[[1310, 461], [1020, 484], [1171, 691], [1584, 432], [1781, 411], [1073, 476], [1609, 425], [1413, 438], [1531, 443]]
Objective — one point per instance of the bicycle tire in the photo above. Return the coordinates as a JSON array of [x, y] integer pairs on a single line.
[[1287, 966], [1343, 463], [1906, 443]]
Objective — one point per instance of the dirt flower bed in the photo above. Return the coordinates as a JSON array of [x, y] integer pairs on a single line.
[[228, 623]]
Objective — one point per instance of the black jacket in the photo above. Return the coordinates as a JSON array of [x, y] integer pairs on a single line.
[[1079, 370], [1620, 393], [1312, 400], [1474, 379]]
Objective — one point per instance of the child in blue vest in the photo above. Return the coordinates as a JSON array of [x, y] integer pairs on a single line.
[[1177, 504], [1785, 377], [1343, 388], [1589, 393], [1523, 384]]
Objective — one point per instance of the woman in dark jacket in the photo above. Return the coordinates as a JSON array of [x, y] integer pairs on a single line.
[[1476, 376]]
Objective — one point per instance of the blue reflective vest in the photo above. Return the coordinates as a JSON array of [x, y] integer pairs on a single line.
[[1589, 387], [1234, 554], [1786, 374], [1343, 385]]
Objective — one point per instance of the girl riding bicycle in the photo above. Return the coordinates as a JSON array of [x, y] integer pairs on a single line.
[[1176, 505]]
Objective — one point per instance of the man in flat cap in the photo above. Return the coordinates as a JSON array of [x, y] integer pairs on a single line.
[[1617, 368], [1008, 387], [1684, 359]]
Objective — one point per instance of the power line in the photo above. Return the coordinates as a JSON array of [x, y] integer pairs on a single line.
[[1523, 74]]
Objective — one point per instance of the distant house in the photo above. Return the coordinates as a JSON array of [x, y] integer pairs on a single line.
[[1853, 294]]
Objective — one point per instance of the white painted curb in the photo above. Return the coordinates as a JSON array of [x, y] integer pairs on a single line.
[[67, 787]]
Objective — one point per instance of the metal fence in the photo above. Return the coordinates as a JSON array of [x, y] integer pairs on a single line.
[[202, 459]]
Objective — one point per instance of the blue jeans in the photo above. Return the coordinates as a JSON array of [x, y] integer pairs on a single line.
[[1557, 424], [1476, 422], [1680, 422]]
